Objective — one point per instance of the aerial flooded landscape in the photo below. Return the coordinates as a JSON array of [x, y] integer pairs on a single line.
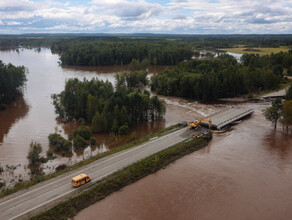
[[145, 109]]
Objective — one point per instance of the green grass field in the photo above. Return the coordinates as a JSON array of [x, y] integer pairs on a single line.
[[259, 50]]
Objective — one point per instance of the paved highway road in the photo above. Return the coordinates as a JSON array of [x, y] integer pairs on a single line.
[[22, 204]]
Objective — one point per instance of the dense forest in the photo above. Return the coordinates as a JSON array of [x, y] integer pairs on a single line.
[[277, 62], [97, 52], [155, 49], [221, 77], [11, 79], [197, 41], [106, 109]]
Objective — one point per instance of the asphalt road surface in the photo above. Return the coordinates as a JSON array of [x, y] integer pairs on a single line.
[[25, 203]]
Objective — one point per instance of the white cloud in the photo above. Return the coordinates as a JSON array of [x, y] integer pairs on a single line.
[[129, 9], [20, 5], [173, 16], [13, 23]]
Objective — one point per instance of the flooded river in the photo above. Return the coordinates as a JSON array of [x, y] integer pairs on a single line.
[[32, 117], [244, 173]]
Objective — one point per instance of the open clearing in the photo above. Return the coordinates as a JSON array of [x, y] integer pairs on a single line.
[[257, 50]]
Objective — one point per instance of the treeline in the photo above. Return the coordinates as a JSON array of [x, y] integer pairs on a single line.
[[252, 41], [11, 79], [14, 43], [158, 50], [278, 62], [106, 109], [208, 80], [98, 52], [199, 41]]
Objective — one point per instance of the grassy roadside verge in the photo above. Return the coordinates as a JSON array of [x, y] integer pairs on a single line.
[[123, 178], [27, 184]]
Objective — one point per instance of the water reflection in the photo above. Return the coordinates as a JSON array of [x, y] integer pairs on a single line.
[[14, 112], [279, 144]]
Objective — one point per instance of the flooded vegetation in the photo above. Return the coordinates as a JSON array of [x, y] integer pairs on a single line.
[[244, 171], [32, 117]]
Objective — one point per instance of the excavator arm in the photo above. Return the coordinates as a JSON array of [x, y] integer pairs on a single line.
[[198, 123]]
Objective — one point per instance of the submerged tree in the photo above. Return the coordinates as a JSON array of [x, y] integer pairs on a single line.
[[34, 153], [11, 79], [274, 112], [108, 110]]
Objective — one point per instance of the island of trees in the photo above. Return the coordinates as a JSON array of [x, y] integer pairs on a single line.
[[12, 78], [107, 109]]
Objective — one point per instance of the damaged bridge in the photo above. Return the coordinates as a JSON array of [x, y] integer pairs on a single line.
[[227, 116]]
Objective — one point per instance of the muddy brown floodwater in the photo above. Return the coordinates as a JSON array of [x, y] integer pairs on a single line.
[[244, 173], [32, 116]]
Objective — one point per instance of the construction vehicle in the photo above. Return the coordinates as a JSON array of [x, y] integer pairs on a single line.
[[198, 123]]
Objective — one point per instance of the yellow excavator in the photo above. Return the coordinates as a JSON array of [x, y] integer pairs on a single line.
[[198, 123]]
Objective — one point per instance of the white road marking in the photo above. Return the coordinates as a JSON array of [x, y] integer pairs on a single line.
[[88, 168], [111, 158]]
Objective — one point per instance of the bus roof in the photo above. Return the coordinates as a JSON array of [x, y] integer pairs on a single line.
[[80, 176]]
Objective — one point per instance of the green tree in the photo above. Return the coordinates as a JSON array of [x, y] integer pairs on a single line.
[[288, 95], [34, 153], [50, 154], [287, 113], [96, 123], [11, 79], [84, 132], [58, 143], [115, 126], [123, 130], [123, 117], [274, 112], [79, 142], [278, 70], [92, 141], [99, 123]]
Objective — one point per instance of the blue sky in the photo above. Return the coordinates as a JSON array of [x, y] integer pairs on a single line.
[[146, 16]]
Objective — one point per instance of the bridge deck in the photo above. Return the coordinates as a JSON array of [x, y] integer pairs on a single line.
[[227, 116]]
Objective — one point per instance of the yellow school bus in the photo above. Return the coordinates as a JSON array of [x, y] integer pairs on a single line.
[[80, 180]]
